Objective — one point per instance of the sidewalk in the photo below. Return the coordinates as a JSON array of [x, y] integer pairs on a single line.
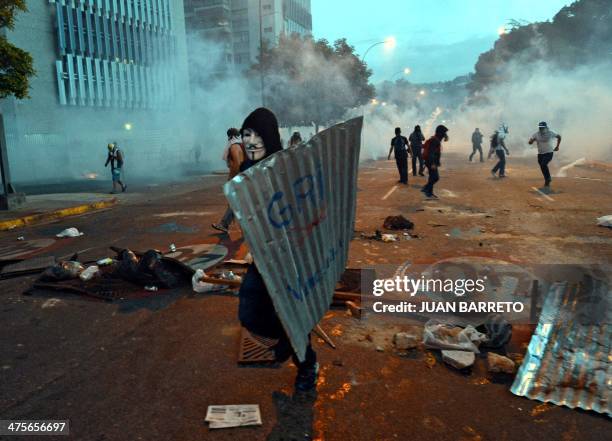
[[47, 207]]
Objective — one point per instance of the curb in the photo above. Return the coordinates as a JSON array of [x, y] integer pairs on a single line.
[[57, 214]]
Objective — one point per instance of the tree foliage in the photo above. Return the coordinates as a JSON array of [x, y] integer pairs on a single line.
[[579, 33], [16, 65], [309, 81]]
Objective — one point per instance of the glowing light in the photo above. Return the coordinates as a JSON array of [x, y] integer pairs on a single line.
[[127, 126], [390, 43], [384, 103], [407, 71], [422, 92], [501, 30], [374, 101]]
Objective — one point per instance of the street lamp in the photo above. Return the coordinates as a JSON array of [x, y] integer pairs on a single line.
[[389, 42], [405, 71]]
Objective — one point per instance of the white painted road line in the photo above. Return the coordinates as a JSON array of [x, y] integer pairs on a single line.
[[389, 193], [543, 194]]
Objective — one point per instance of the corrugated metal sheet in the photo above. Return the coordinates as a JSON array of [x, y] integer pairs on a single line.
[[568, 361], [297, 212]]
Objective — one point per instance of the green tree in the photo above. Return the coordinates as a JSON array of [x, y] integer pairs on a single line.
[[578, 34], [309, 81], [16, 65]]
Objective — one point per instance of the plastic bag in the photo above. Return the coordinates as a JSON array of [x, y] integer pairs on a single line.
[[438, 335], [605, 221], [69, 232], [89, 273]]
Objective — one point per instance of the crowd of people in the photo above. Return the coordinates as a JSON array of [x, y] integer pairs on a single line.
[[428, 152]]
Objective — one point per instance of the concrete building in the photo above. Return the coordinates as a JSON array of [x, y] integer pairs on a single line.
[[106, 70], [235, 28]]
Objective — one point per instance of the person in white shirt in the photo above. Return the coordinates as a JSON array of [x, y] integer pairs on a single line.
[[544, 139]]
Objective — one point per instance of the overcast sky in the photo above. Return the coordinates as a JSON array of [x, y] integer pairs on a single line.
[[437, 39]]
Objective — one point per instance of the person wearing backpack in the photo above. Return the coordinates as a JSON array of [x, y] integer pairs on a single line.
[[234, 155], [498, 144], [432, 153], [416, 139], [115, 159], [398, 147]]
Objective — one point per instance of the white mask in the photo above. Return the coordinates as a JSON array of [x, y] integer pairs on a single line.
[[253, 144]]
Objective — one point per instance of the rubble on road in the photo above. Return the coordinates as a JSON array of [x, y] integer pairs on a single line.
[[404, 341], [499, 363], [62, 271], [398, 222], [459, 359], [605, 221], [437, 335]]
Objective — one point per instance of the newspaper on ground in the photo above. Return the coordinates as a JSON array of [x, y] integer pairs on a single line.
[[224, 416]]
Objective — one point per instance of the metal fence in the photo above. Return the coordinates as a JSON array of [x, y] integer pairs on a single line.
[[297, 212]]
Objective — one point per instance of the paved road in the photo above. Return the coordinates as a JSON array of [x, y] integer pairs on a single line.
[[148, 370]]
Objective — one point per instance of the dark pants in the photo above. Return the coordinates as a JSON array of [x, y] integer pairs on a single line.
[[417, 153], [227, 218], [543, 160], [256, 313], [476, 148], [501, 164], [434, 176], [402, 167]]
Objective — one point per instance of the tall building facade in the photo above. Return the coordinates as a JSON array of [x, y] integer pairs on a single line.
[[236, 28], [106, 70]]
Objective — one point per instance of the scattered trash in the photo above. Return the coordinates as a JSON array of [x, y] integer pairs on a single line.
[[404, 340], [380, 349], [202, 287], [220, 417], [62, 271], [105, 261], [89, 273], [321, 333], [51, 303], [437, 335], [69, 232], [605, 221], [376, 236], [151, 288], [172, 248], [389, 238], [397, 223], [21, 238], [499, 363], [459, 359], [354, 309], [497, 329], [145, 271]]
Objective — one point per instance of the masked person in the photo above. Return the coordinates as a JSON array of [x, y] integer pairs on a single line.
[[233, 155], [416, 139], [115, 159], [543, 137], [476, 144], [261, 139], [398, 147], [498, 144], [432, 153], [501, 134]]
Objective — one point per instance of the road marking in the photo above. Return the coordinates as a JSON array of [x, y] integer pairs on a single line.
[[390, 192], [543, 194]]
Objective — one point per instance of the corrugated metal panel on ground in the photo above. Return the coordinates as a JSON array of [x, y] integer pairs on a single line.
[[568, 361], [297, 211]]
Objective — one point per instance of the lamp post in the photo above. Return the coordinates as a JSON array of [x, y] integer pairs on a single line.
[[405, 71], [390, 42]]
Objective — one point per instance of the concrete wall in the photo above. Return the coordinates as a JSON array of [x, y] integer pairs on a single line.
[[48, 141]]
